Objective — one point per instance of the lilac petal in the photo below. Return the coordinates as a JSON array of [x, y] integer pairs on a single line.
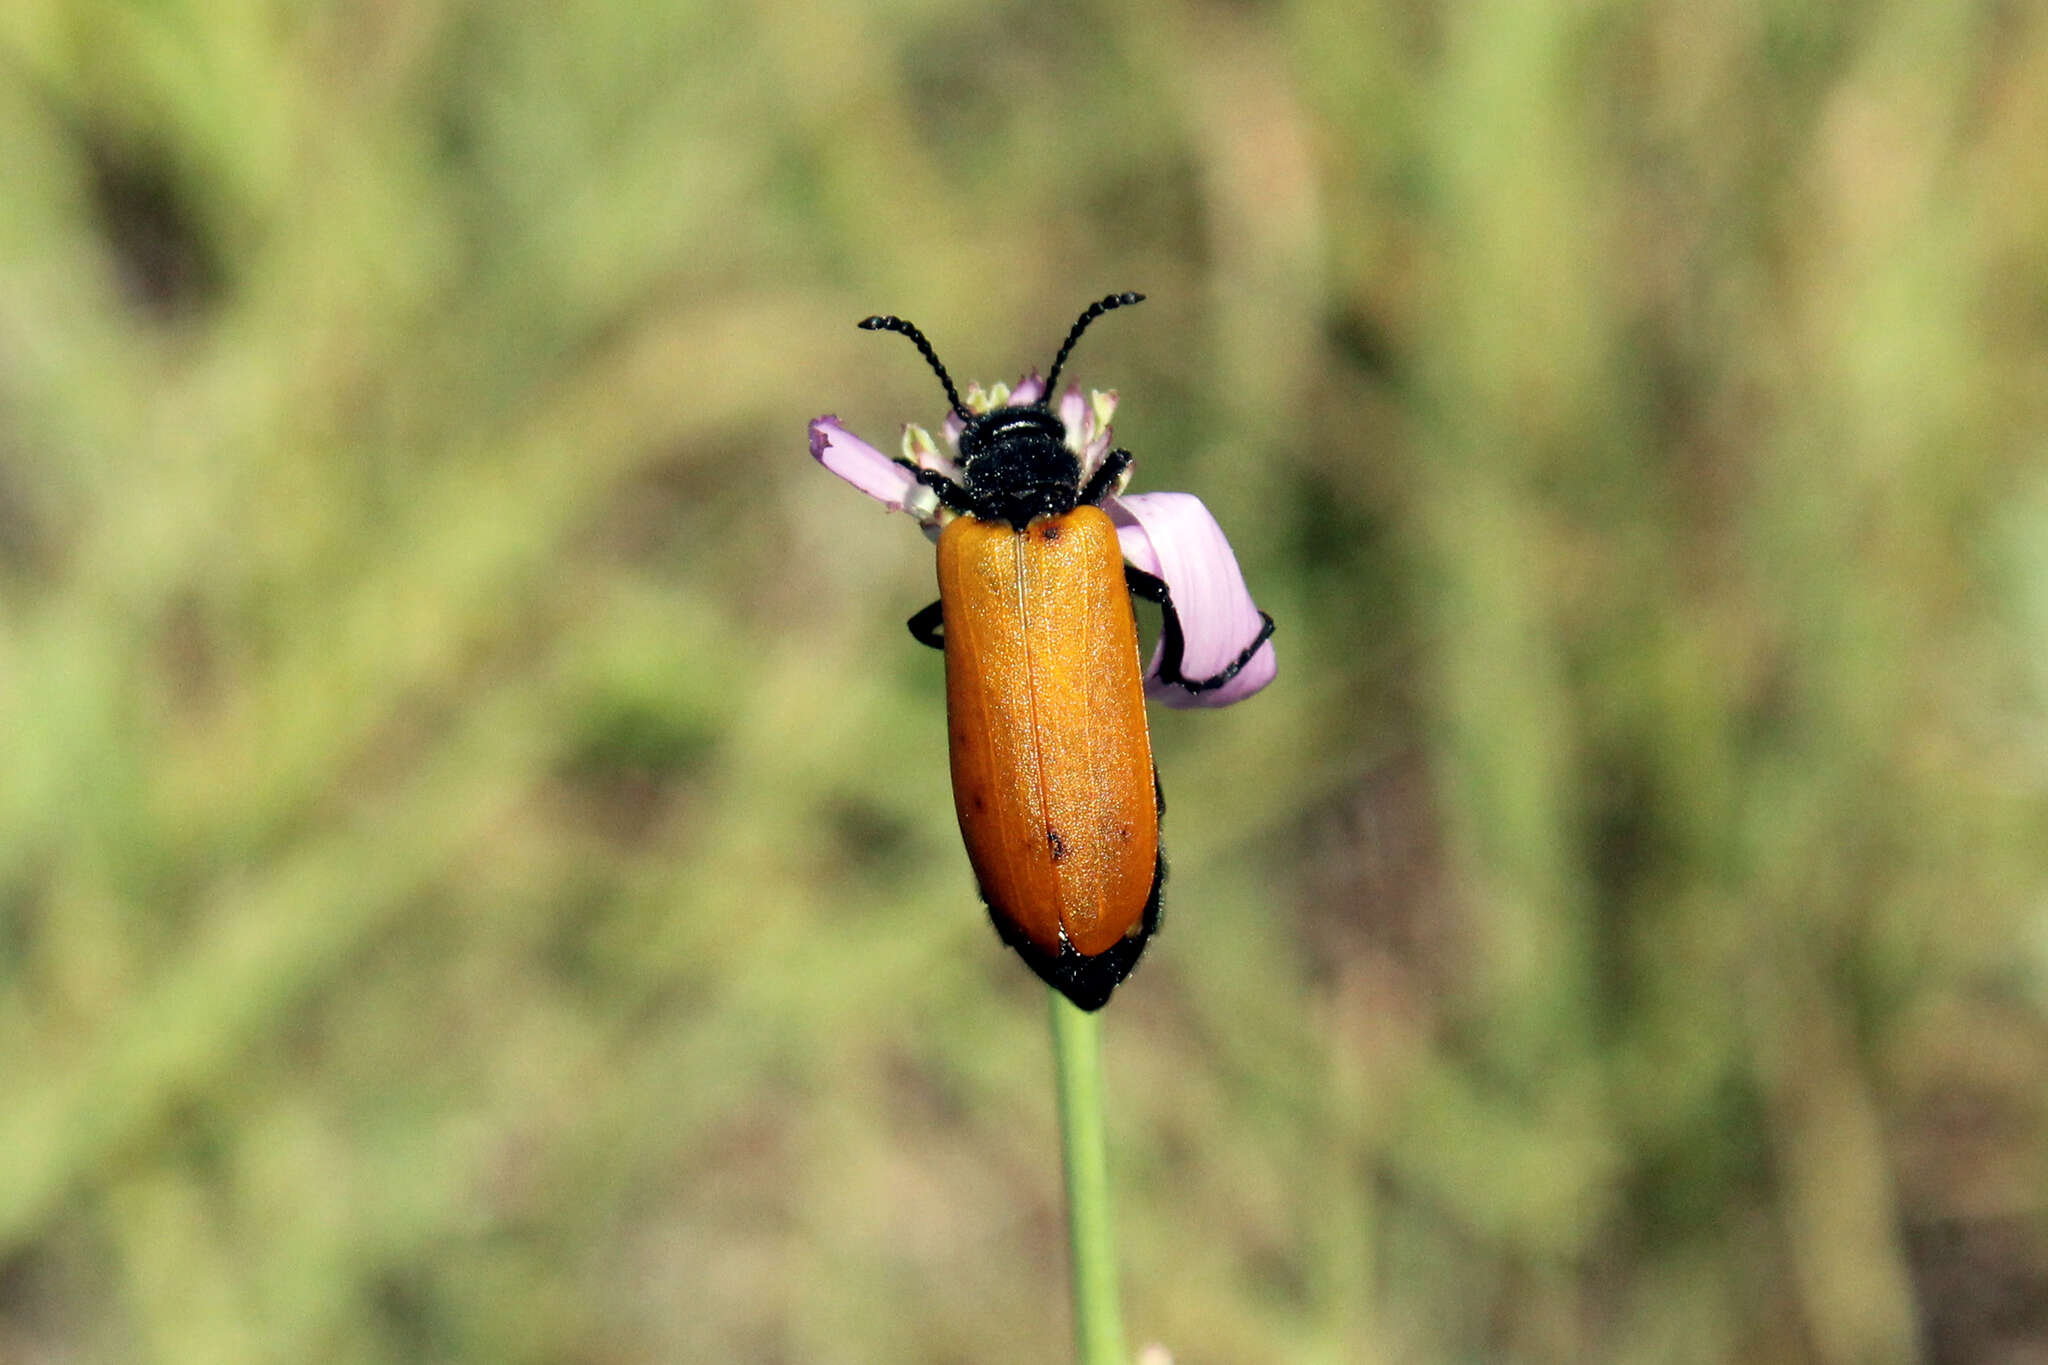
[[1073, 414], [860, 464], [951, 429], [1173, 537], [1092, 454], [1029, 390]]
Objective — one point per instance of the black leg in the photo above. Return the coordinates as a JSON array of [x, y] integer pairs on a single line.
[[928, 627], [1147, 586], [1104, 482], [1173, 643], [951, 494]]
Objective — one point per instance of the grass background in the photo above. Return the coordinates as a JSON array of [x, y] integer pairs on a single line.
[[477, 879]]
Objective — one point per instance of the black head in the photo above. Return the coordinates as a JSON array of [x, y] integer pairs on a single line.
[[1014, 461], [1015, 465]]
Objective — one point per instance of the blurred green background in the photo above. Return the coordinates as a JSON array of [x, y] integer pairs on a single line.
[[477, 876]]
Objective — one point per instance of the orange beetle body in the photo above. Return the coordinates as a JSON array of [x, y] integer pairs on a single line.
[[1052, 757]]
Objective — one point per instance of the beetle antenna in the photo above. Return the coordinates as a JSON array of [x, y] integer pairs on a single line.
[[888, 324], [1095, 310]]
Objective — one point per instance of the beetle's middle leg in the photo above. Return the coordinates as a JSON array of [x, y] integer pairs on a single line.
[[928, 626], [1172, 643]]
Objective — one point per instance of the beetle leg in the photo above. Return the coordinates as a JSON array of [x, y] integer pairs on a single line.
[[1172, 642], [951, 495], [928, 626], [1104, 483]]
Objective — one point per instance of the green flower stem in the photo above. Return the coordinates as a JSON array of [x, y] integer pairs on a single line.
[[1077, 1055]]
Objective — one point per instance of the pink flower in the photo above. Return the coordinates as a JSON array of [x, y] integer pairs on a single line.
[[1027, 456], [1172, 537], [1016, 461]]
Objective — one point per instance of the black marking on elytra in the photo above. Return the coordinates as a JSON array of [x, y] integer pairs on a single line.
[[1087, 981], [1056, 844]]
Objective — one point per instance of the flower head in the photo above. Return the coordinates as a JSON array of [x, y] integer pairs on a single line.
[[1053, 778], [1223, 653]]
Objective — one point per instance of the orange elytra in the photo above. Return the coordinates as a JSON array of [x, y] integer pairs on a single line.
[[1052, 758]]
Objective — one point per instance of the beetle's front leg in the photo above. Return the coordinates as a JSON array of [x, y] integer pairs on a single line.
[[951, 495], [1104, 483]]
